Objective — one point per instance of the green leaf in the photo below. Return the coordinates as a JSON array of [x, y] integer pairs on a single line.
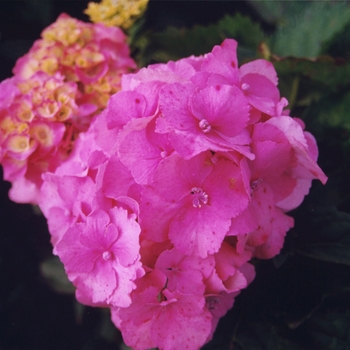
[[328, 117], [320, 83], [329, 72], [304, 27], [302, 33], [334, 110], [339, 46], [278, 12], [176, 43]]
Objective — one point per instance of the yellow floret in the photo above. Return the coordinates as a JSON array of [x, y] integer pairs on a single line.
[[18, 143], [67, 31], [42, 133], [49, 65], [119, 13]]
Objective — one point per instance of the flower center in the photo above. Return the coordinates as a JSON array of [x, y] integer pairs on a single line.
[[245, 87], [199, 197], [204, 126], [212, 302], [254, 185], [107, 255]]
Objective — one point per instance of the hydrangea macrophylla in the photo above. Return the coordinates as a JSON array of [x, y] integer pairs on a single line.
[[64, 80], [202, 155]]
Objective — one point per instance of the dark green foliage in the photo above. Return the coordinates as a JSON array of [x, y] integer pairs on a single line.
[[175, 43]]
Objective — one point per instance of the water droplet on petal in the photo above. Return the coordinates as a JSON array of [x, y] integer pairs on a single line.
[[245, 87], [205, 126], [107, 255], [254, 185]]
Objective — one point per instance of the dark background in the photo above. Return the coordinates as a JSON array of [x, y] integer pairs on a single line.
[[280, 302]]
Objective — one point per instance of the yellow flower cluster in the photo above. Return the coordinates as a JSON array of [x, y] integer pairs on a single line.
[[120, 13]]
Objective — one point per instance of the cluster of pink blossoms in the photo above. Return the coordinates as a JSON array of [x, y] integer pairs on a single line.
[[184, 177], [58, 87]]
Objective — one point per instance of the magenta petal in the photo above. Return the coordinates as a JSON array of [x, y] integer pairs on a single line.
[[297, 195], [123, 107], [274, 243], [126, 246], [198, 231], [141, 149], [23, 190], [76, 256], [261, 93], [94, 232], [261, 67], [190, 322], [226, 188], [8, 90], [182, 275], [116, 170], [223, 60], [99, 284], [92, 74], [223, 107], [155, 215], [271, 159], [175, 176], [243, 223], [173, 102], [307, 167]]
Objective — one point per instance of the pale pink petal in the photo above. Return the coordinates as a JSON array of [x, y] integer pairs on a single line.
[[223, 60], [261, 67], [223, 107]]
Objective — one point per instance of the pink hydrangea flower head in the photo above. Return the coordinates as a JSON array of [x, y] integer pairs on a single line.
[[185, 176]]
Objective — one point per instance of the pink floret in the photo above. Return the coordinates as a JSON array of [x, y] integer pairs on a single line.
[[101, 257]]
